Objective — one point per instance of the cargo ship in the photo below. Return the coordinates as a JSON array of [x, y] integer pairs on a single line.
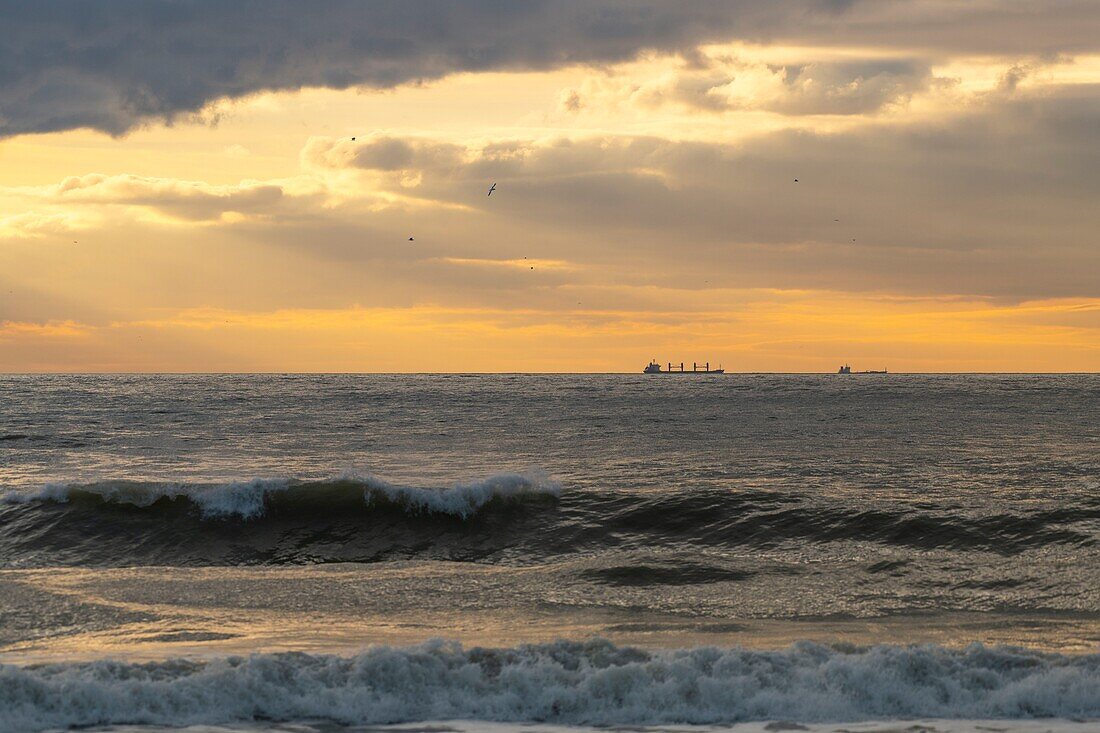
[[848, 370], [655, 368]]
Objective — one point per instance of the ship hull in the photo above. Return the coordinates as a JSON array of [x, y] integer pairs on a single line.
[[698, 374]]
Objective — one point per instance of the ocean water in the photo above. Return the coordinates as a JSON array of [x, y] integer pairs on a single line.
[[293, 552]]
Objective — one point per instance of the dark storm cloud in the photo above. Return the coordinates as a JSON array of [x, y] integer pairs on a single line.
[[112, 65]]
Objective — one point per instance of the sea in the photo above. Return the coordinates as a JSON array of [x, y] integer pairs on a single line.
[[435, 553]]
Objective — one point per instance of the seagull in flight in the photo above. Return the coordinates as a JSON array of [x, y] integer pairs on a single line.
[[411, 239], [491, 189]]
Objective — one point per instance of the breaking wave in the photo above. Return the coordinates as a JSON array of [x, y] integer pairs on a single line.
[[510, 518], [258, 497], [594, 683]]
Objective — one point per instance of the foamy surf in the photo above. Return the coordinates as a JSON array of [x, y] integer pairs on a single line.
[[773, 726], [251, 499], [564, 683]]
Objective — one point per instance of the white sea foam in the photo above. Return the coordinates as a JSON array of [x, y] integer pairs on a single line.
[[576, 683], [248, 499], [464, 499], [1045, 725], [240, 498]]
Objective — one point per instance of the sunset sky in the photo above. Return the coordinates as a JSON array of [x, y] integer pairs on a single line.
[[180, 190]]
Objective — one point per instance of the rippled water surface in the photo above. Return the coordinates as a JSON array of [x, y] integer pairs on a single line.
[[145, 517]]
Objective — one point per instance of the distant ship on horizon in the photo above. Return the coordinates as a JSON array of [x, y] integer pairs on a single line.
[[848, 370], [655, 368]]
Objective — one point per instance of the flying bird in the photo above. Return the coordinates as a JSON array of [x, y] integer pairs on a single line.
[[491, 189], [410, 239], [353, 139], [796, 180]]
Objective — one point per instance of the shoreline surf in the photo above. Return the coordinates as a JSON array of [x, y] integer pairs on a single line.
[[591, 682]]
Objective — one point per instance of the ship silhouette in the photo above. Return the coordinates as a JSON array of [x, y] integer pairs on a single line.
[[655, 368], [848, 370]]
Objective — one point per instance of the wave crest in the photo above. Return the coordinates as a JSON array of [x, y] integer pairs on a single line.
[[594, 683], [257, 497], [518, 516]]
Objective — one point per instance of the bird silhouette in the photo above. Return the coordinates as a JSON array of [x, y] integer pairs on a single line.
[[491, 189], [411, 239]]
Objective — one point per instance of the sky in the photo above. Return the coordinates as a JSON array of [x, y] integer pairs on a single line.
[[774, 186]]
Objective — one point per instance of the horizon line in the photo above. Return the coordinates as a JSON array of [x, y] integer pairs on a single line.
[[525, 373]]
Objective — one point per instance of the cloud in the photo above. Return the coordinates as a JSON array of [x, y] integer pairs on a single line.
[[31, 224], [46, 330], [818, 88], [571, 100], [193, 201], [520, 264], [850, 88], [381, 153], [112, 66], [994, 201]]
